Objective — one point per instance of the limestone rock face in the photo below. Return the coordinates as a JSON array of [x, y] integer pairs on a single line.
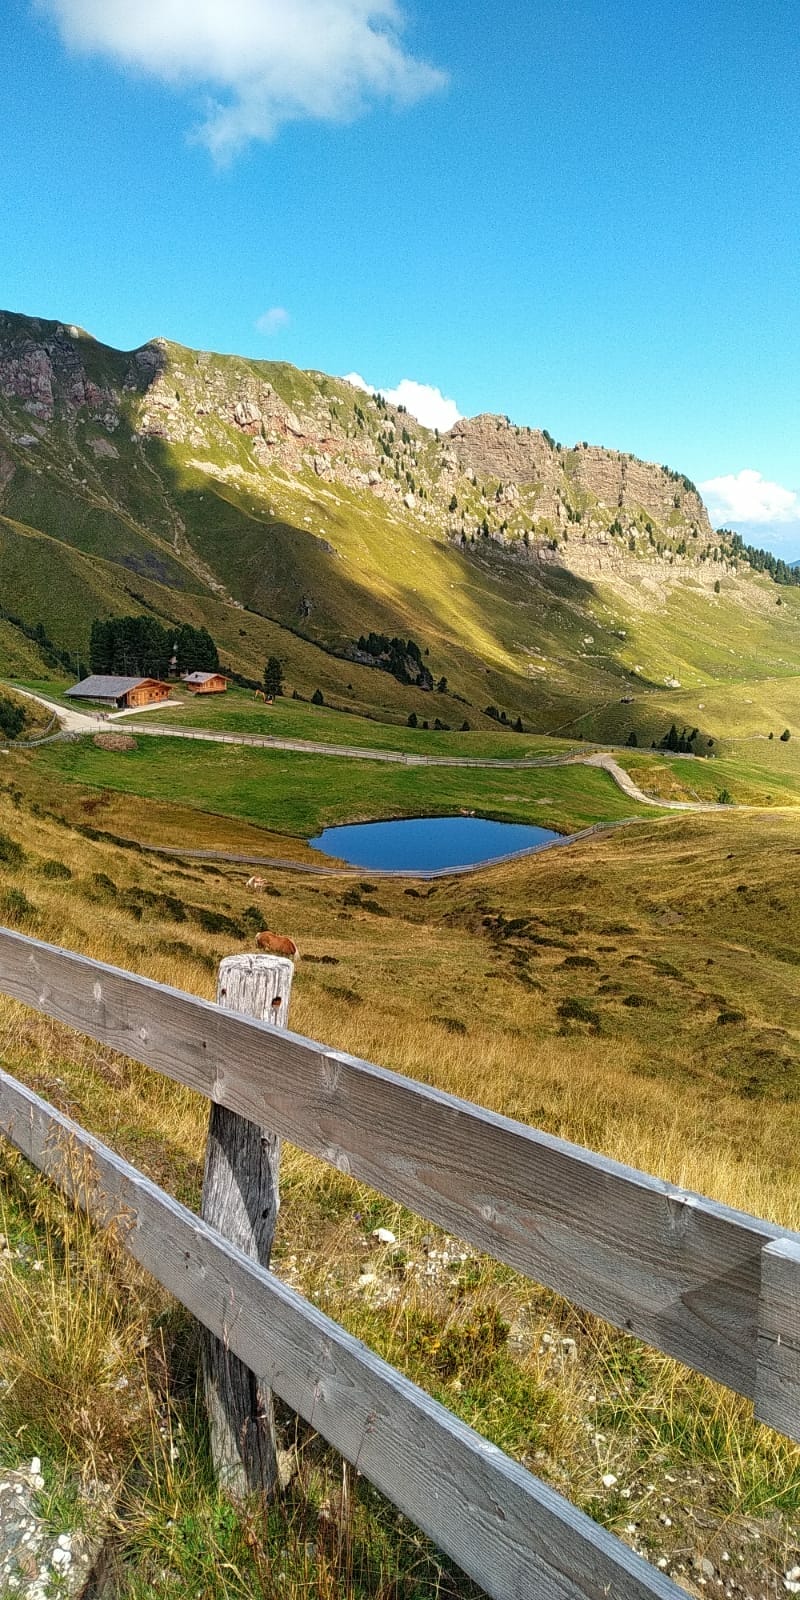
[[486, 483], [623, 481], [47, 374], [491, 446]]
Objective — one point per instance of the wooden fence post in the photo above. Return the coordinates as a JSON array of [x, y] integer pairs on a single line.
[[241, 1199]]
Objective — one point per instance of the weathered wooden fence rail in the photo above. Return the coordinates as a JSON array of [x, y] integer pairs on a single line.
[[714, 1287]]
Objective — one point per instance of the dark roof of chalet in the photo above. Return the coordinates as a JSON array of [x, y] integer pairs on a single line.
[[101, 687], [201, 677]]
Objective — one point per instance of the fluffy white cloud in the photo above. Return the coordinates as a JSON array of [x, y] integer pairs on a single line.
[[262, 62], [423, 400], [748, 497], [273, 320]]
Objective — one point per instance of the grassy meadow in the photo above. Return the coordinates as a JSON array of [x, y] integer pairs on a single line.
[[635, 992], [299, 794], [236, 711]]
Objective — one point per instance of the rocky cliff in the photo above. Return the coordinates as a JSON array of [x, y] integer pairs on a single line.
[[291, 513], [245, 418]]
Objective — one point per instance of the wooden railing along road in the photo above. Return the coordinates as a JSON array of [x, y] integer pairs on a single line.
[[713, 1287]]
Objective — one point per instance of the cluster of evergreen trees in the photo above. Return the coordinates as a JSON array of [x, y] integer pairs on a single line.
[[764, 561], [401, 657], [503, 717], [141, 647], [682, 742]]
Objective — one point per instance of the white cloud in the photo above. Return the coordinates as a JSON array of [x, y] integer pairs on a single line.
[[272, 321], [423, 400], [261, 62], [748, 497]]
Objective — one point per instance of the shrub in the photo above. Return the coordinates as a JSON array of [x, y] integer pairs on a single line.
[[216, 922], [451, 1025], [12, 717], [10, 852], [102, 886], [724, 798], [573, 1010], [785, 736], [16, 909], [178, 947], [317, 698], [54, 869], [168, 906]]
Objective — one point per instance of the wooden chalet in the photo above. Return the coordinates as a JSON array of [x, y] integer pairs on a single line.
[[205, 682], [123, 693]]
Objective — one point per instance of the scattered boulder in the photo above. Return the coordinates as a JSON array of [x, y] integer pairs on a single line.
[[114, 741]]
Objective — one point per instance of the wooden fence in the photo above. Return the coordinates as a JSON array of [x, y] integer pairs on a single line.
[[716, 1288]]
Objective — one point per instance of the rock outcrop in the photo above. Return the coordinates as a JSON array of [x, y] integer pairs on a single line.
[[486, 481]]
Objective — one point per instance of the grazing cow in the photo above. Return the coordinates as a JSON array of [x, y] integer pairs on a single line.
[[277, 945], [256, 883], [259, 695]]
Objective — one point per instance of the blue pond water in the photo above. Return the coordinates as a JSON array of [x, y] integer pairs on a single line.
[[423, 844]]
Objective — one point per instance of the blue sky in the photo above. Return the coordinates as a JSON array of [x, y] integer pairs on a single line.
[[583, 215]]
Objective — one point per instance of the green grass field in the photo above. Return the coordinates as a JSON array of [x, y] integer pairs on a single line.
[[237, 711], [300, 794]]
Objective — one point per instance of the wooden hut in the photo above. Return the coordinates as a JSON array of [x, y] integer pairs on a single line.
[[124, 693], [205, 682]]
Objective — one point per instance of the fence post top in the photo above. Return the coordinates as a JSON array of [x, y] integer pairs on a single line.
[[255, 961]]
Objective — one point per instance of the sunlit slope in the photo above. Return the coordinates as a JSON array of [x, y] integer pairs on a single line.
[[290, 513]]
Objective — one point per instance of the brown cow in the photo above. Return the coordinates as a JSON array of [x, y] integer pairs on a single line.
[[276, 945]]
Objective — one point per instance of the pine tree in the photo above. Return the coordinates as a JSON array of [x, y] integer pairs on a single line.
[[273, 677]]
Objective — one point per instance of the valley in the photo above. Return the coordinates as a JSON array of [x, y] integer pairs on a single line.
[[471, 623]]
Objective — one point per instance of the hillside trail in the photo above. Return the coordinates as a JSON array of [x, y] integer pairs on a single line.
[[71, 721], [87, 722]]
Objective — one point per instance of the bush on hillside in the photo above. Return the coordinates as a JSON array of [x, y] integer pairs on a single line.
[[11, 853], [12, 717]]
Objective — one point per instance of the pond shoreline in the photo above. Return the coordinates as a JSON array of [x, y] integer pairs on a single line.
[[334, 870]]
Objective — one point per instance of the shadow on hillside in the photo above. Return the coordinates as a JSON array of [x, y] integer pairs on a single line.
[[292, 575]]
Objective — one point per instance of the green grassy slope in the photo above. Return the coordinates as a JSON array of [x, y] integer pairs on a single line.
[[289, 513], [300, 794]]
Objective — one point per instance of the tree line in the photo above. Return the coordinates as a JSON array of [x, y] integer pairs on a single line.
[[401, 657], [142, 647], [763, 560]]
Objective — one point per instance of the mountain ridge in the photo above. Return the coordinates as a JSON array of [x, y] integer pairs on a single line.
[[292, 513]]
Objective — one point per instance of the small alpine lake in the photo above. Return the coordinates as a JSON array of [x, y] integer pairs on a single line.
[[430, 844]]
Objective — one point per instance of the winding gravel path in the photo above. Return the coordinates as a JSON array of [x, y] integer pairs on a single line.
[[80, 722]]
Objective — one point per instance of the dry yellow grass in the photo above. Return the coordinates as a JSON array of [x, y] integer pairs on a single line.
[[681, 914]]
